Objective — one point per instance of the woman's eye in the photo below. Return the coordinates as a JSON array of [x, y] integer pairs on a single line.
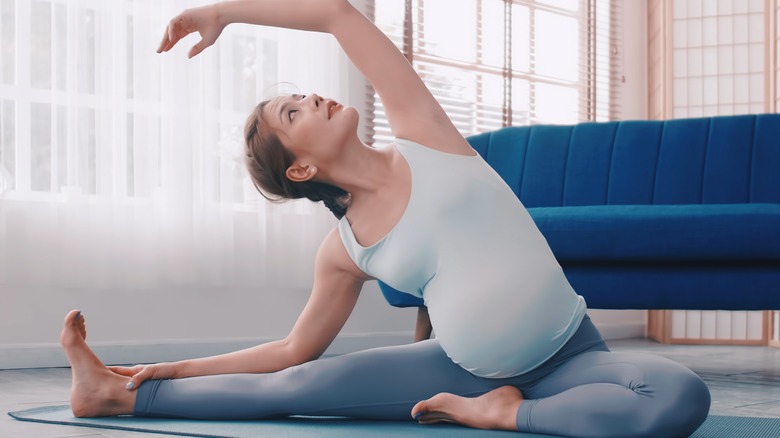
[[291, 114]]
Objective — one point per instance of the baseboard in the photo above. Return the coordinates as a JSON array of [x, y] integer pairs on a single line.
[[51, 355]]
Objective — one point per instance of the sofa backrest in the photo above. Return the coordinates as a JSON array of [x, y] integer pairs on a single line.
[[715, 160]]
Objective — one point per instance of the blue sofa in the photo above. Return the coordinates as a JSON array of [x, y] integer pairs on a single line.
[[676, 214]]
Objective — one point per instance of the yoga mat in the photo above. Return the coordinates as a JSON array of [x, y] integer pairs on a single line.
[[291, 427], [295, 427]]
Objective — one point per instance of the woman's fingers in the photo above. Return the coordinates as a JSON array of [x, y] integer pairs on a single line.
[[203, 20], [164, 42], [172, 27], [194, 50], [153, 371], [140, 377], [125, 371], [197, 48], [173, 33]]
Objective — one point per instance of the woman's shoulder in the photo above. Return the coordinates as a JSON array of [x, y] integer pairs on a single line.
[[436, 149], [440, 137], [334, 257]]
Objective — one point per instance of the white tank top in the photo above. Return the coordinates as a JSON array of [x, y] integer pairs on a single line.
[[498, 300]]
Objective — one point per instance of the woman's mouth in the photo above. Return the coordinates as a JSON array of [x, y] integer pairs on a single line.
[[332, 108]]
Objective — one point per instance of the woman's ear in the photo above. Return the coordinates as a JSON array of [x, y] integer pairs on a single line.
[[300, 173]]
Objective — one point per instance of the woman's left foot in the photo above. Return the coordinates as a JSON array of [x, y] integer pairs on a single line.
[[496, 409], [95, 391]]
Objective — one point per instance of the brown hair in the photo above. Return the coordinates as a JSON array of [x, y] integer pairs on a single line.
[[267, 161]]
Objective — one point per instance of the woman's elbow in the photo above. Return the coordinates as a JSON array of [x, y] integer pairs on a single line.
[[298, 353]]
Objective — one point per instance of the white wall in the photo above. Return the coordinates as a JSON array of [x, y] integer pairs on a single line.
[[170, 325], [160, 325]]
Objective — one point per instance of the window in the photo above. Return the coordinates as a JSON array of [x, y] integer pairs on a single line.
[[494, 63], [122, 165], [88, 108]]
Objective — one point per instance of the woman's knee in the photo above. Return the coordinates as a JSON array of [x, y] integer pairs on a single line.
[[680, 400], [694, 402]]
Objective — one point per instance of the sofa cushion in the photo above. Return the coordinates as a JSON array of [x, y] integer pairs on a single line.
[[663, 233]]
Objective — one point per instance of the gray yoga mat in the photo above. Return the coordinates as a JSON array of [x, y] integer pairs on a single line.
[[295, 427]]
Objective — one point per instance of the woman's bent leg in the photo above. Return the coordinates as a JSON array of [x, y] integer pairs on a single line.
[[382, 383], [606, 394]]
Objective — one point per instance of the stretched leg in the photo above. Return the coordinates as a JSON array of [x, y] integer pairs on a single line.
[[606, 394], [381, 383], [95, 391]]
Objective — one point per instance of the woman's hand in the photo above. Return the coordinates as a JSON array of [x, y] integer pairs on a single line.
[[205, 20], [140, 373]]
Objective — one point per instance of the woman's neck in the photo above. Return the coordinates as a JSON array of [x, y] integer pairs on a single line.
[[361, 170]]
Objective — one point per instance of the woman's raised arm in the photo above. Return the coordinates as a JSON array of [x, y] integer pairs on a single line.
[[411, 109]]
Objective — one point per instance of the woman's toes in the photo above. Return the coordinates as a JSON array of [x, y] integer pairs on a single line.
[[493, 410]]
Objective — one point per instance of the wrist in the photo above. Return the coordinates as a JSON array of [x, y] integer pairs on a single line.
[[220, 17], [180, 369]]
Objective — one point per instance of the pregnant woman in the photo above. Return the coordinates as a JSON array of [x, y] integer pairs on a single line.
[[514, 347]]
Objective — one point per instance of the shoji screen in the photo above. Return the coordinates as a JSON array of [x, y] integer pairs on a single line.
[[775, 340], [706, 58], [718, 57]]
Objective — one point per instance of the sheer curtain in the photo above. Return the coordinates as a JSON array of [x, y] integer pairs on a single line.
[[122, 166]]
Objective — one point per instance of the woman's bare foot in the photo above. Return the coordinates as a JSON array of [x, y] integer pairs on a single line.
[[95, 391], [496, 409]]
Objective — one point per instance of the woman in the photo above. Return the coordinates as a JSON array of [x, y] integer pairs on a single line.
[[515, 349]]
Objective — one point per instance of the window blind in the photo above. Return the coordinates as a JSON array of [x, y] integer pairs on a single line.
[[495, 63]]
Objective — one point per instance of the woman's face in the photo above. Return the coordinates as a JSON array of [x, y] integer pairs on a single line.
[[311, 127]]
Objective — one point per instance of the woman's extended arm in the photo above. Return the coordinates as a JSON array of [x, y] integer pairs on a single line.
[[411, 109], [337, 284]]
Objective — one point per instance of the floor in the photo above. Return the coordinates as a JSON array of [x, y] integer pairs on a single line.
[[742, 380]]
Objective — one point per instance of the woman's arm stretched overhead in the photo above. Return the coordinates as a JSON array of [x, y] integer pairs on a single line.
[[411, 109]]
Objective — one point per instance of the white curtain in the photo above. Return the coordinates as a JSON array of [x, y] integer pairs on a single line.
[[120, 166]]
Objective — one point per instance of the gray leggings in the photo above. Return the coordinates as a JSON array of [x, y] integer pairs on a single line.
[[584, 390]]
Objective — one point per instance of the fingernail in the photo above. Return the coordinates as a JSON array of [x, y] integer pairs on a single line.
[[418, 415], [130, 385], [78, 315]]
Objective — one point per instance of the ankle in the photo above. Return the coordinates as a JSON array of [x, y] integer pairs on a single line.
[[504, 404], [103, 397]]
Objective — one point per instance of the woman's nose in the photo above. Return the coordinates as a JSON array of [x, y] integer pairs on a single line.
[[316, 99]]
